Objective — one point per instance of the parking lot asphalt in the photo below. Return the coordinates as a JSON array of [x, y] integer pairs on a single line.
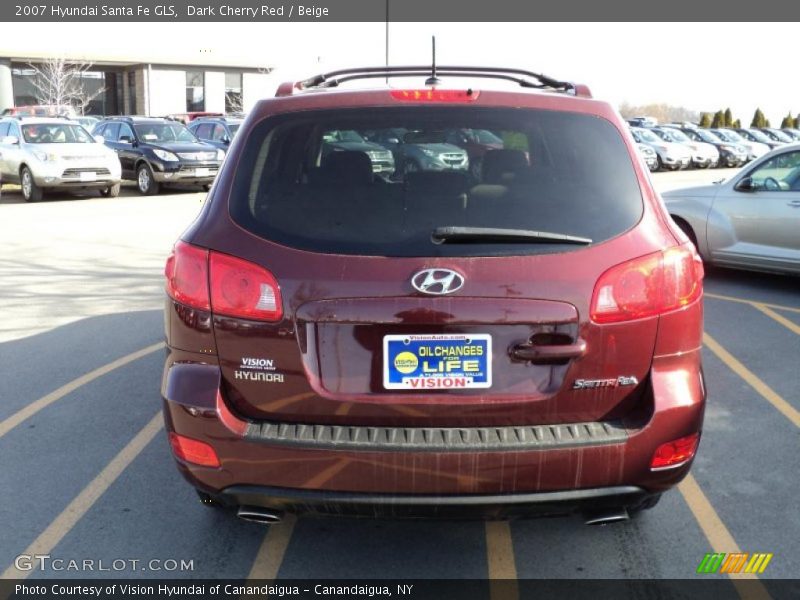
[[87, 474]]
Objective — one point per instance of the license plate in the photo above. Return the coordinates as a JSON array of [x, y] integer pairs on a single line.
[[423, 362], [201, 172], [88, 176]]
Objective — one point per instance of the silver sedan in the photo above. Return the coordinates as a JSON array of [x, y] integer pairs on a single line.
[[749, 221]]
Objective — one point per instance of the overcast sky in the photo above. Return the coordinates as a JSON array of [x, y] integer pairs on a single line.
[[698, 65]]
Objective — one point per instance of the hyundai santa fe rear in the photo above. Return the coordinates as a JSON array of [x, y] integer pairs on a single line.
[[514, 339]]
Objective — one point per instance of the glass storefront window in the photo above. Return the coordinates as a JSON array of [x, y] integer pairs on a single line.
[[233, 93], [195, 93]]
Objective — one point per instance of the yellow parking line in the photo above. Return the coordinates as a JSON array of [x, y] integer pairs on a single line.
[[65, 521], [273, 548], [790, 325], [45, 401], [751, 302], [719, 537], [500, 557], [770, 395]]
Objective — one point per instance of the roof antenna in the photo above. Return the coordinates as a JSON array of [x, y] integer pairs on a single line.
[[433, 79]]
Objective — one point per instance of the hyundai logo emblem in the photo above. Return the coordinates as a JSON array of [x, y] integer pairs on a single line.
[[437, 282]]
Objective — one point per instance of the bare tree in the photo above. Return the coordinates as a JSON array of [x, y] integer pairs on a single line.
[[60, 82], [664, 113]]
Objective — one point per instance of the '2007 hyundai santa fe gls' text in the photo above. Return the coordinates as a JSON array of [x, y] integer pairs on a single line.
[[514, 337]]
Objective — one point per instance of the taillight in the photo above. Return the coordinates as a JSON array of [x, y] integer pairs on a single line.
[[434, 95], [193, 451], [648, 286], [237, 288], [243, 289], [675, 453], [187, 276]]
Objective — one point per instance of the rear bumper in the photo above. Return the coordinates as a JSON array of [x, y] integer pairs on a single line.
[[299, 460], [497, 506]]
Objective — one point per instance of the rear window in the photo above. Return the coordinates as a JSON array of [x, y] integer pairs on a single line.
[[380, 182]]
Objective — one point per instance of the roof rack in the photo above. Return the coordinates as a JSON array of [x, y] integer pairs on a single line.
[[526, 79]]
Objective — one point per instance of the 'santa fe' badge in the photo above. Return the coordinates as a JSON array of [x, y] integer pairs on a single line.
[[622, 380]]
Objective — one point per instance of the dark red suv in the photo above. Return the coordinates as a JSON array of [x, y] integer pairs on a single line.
[[520, 338]]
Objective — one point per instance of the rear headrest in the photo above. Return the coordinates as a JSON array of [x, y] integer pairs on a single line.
[[349, 167], [500, 165]]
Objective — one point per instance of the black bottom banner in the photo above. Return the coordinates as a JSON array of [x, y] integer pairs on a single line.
[[412, 589]]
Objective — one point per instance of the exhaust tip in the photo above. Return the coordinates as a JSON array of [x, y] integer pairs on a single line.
[[606, 517], [262, 516]]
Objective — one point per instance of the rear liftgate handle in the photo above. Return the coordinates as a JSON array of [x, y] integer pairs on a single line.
[[544, 353]]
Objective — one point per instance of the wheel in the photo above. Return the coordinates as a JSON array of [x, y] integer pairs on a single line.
[[207, 187], [30, 191], [145, 181], [660, 166], [112, 191], [647, 504], [209, 500]]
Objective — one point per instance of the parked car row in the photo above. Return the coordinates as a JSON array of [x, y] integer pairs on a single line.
[[684, 145], [43, 154]]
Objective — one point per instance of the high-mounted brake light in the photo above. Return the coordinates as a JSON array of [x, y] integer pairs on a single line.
[[187, 276], [243, 289], [648, 286], [675, 453], [193, 451], [224, 284], [434, 95]]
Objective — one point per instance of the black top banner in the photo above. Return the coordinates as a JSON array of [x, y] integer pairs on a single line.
[[383, 10]]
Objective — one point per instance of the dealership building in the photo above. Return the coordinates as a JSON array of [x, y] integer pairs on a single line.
[[143, 83]]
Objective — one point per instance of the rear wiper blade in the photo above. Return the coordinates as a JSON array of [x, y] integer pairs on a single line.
[[467, 235]]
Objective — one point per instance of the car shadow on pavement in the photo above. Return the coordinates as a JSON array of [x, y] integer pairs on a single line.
[[35, 365], [751, 285]]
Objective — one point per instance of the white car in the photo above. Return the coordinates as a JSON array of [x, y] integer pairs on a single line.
[[52, 153], [671, 156]]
